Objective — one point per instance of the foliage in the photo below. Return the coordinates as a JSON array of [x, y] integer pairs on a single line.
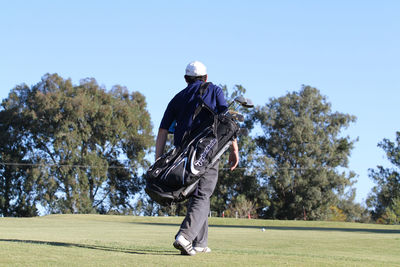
[[391, 214], [302, 142], [241, 207], [387, 190], [336, 214], [353, 211], [17, 187], [86, 145]]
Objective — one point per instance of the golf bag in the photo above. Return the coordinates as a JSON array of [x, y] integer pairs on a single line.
[[174, 176]]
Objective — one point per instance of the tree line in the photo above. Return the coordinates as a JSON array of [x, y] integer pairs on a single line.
[[68, 148]]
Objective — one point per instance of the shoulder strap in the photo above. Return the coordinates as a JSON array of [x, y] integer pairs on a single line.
[[202, 105], [202, 89]]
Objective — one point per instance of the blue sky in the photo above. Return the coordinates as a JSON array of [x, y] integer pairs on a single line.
[[349, 50]]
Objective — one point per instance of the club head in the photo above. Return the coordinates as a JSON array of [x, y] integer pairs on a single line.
[[245, 102], [249, 103], [240, 99]]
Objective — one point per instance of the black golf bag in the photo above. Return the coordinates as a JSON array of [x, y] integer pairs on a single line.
[[174, 176]]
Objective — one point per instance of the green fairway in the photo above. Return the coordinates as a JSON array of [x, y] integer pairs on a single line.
[[99, 240]]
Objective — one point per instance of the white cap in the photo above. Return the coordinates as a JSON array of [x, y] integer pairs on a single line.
[[196, 68]]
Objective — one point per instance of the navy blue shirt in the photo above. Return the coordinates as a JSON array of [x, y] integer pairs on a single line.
[[181, 108]]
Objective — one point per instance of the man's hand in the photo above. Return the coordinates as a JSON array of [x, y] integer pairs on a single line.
[[234, 155]]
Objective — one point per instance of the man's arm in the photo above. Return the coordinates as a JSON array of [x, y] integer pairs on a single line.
[[234, 155], [160, 142]]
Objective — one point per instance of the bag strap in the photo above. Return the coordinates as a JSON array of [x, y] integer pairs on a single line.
[[202, 89], [202, 105]]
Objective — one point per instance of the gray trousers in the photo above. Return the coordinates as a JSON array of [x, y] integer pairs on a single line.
[[195, 225]]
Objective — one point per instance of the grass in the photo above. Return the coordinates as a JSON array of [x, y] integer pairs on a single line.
[[99, 240]]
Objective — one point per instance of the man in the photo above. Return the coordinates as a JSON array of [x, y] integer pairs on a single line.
[[193, 233]]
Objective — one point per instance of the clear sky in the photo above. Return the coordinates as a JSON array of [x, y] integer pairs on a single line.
[[349, 50]]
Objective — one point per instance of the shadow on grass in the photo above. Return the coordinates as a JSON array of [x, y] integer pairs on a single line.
[[293, 228], [87, 246]]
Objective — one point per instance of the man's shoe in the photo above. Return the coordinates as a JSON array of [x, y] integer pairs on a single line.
[[202, 250], [184, 245]]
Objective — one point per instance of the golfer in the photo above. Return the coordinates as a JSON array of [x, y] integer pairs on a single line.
[[192, 236]]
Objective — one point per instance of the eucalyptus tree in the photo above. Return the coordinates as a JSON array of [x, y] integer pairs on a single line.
[[305, 154], [87, 145]]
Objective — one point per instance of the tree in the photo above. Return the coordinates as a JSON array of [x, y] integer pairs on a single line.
[[303, 152], [354, 212], [392, 213], [240, 207], [87, 145], [385, 196]]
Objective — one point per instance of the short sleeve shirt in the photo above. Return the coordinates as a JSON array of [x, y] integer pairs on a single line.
[[181, 108]]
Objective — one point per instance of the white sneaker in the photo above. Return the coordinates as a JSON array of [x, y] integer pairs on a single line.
[[184, 245], [201, 249]]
